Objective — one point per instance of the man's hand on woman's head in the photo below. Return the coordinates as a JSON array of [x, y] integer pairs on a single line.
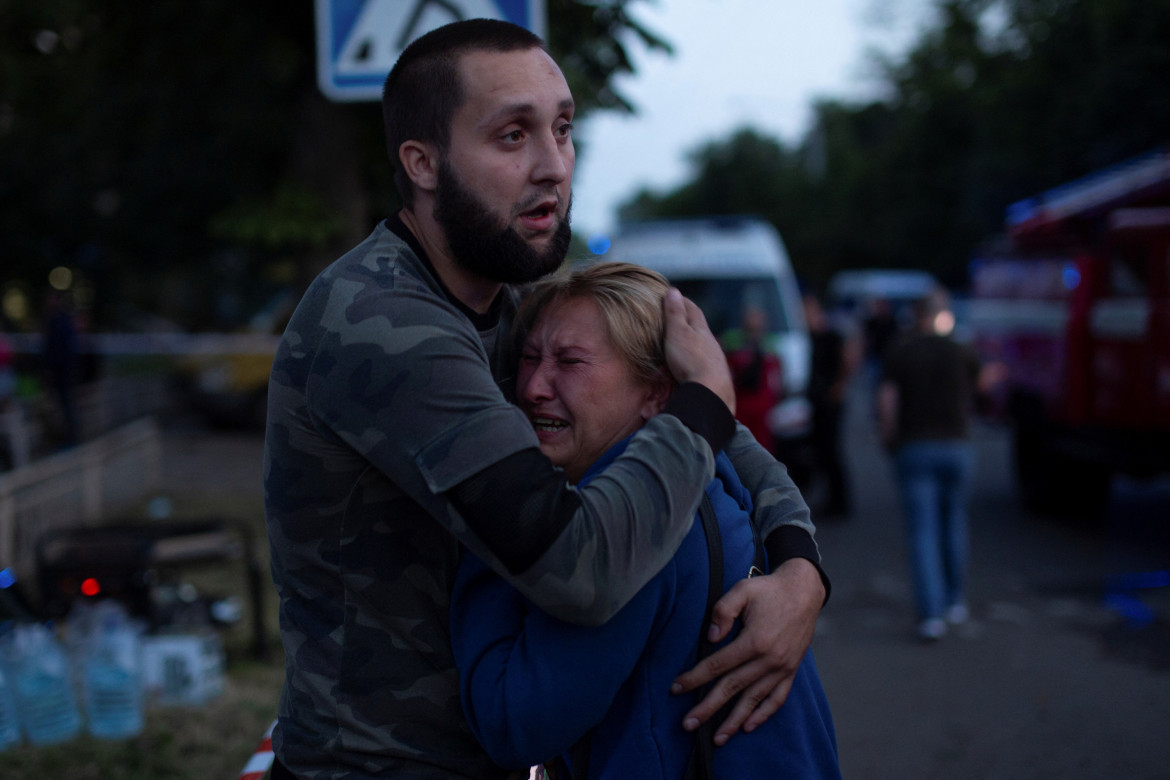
[[779, 613], [693, 354]]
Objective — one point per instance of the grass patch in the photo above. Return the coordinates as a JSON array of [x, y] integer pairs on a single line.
[[210, 742]]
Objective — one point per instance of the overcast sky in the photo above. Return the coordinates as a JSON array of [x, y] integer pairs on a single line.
[[737, 62]]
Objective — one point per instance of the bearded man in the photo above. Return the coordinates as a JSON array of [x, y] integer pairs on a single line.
[[391, 442]]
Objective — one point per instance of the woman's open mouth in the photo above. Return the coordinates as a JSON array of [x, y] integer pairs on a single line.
[[548, 424]]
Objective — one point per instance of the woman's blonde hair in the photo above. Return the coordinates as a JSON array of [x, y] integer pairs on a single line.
[[629, 298]]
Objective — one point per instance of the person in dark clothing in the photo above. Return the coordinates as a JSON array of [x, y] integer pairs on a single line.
[[59, 354], [832, 368], [880, 329], [925, 404]]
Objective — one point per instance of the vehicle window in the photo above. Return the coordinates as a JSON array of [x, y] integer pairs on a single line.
[[723, 301]]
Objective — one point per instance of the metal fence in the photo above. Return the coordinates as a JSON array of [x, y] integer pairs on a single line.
[[75, 487]]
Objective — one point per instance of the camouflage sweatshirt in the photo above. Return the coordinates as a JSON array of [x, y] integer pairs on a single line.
[[389, 445]]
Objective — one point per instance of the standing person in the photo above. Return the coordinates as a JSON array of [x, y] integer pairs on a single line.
[[880, 329], [7, 368], [12, 432], [391, 443], [534, 686], [60, 355], [924, 405], [833, 364], [756, 374]]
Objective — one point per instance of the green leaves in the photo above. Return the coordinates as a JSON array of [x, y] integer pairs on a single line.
[[293, 217], [142, 143], [997, 101]]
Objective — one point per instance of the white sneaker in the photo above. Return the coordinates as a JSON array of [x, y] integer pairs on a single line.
[[932, 629], [957, 613]]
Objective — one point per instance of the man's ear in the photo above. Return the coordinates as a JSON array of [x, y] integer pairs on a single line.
[[421, 163], [657, 396]]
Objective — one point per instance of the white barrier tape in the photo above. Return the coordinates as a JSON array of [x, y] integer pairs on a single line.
[[177, 344], [261, 760], [257, 765]]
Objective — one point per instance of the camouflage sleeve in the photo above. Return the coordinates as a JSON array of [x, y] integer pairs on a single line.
[[611, 536], [545, 507], [412, 393], [781, 515]]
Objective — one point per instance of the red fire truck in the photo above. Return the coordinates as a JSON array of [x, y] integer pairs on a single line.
[[1075, 302]]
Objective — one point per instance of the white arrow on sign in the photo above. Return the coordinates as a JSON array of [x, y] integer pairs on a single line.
[[385, 27]]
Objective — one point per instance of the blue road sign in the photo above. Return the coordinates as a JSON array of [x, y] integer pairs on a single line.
[[358, 41]]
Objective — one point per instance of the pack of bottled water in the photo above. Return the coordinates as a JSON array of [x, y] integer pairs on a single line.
[[40, 682], [9, 716], [54, 688], [106, 648]]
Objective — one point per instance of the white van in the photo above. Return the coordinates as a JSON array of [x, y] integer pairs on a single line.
[[726, 265]]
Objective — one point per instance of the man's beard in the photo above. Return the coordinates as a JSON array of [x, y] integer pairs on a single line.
[[479, 244]]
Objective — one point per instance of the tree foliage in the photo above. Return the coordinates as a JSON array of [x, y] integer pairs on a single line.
[[180, 156], [589, 41], [996, 101]]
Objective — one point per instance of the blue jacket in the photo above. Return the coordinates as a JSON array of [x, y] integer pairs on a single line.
[[532, 685]]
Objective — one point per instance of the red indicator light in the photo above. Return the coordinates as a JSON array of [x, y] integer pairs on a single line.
[[90, 587]]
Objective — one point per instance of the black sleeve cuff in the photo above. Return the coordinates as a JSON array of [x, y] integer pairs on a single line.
[[788, 542], [518, 533], [703, 412]]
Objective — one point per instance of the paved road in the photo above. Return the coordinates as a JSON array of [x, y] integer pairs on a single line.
[[1046, 680]]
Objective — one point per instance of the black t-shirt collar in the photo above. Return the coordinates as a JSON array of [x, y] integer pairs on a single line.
[[484, 321]]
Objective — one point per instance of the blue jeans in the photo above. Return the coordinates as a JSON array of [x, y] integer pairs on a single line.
[[935, 480]]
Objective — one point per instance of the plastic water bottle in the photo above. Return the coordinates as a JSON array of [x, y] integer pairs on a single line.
[[9, 718], [109, 674], [43, 688]]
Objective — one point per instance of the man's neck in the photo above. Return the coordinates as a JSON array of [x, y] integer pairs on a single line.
[[476, 292]]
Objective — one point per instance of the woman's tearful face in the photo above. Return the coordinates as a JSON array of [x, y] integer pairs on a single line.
[[579, 392]]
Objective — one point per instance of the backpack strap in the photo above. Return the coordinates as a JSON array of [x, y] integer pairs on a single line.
[[701, 765]]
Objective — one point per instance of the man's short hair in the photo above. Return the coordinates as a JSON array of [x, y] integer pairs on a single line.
[[423, 90]]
